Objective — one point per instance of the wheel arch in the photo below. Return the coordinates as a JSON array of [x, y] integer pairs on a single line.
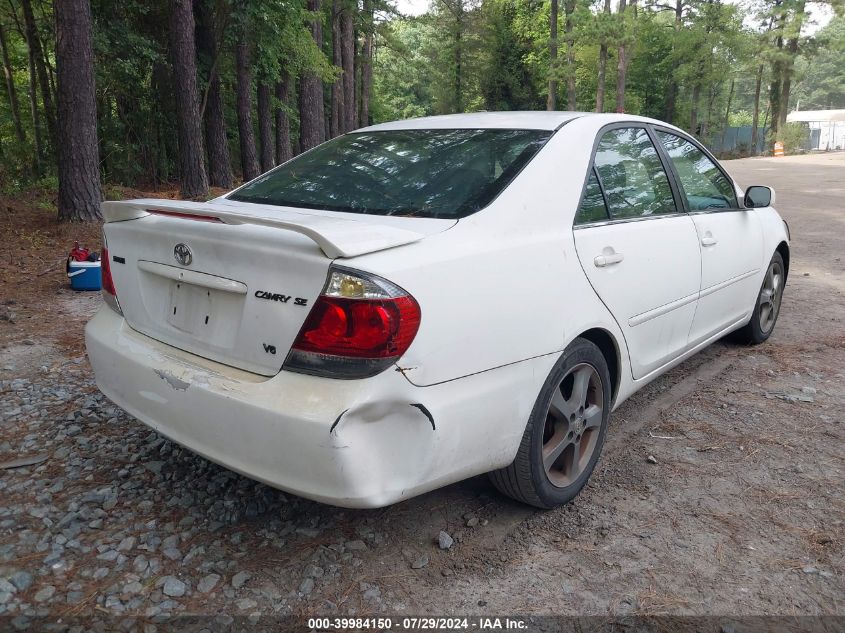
[[609, 348], [783, 249]]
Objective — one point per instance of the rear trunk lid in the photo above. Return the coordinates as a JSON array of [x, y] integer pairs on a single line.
[[235, 282]]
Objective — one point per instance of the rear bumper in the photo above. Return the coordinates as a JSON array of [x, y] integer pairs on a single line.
[[355, 443]]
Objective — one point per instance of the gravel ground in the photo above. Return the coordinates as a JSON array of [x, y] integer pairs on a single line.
[[720, 490]]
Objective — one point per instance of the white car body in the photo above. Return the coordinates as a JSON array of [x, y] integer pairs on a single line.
[[500, 300]]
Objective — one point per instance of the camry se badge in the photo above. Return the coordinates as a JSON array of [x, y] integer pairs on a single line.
[[275, 296]]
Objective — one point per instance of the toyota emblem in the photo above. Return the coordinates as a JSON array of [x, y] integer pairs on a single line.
[[183, 254]]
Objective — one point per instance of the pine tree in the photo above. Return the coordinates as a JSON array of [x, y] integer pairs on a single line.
[[78, 160], [212, 108], [193, 176], [312, 124], [243, 85]]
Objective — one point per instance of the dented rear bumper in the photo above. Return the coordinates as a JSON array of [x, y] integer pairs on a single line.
[[353, 443]]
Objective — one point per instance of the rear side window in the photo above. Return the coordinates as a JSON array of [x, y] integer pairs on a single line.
[[593, 208], [419, 173], [705, 186], [635, 184]]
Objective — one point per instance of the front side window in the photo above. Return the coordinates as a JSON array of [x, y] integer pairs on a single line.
[[705, 186], [635, 184], [419, 173]]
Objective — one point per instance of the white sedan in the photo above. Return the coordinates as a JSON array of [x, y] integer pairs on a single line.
[[422, 301]]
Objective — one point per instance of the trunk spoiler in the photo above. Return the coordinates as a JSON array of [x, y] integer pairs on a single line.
[[336, 237]]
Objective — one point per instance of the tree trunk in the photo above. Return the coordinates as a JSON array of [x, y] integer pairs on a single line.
[[708, 115], [216, 142], [78, 160], [347, 40], [789, 64], [283, 149], [14, 106], [338, 113], [774, 98], [755, 120], [459, 52], [265, 127], [622, 64], [51, 73], [551, 100], [671, 95], [48, 18], [161, 80], [34, 45], [601, 77], [366, 66], [243, 87], [219, 160], [727, 114], [693, 117], [621, 72], [777, 74], [191, 164], [38, 145], [602, 74], [104, 106], [569, 9], [672, 90], [312, 124], [783, 102]]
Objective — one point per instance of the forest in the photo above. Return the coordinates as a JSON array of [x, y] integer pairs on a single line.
[[208, 93]]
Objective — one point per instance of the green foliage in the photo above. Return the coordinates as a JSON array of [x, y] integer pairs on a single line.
[[135, 106], [461, 55], [821, 70], [44, 187], [652, 66], [277, 28], [794, 136], [404, 75], [506, 79], [134, 91], [740, 118], [507, 41]]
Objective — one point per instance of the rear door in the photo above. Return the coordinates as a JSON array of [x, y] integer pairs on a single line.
[[638, 248], [731, 238]]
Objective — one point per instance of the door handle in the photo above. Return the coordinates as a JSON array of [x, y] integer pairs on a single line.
[[608, 260], [708, 240]]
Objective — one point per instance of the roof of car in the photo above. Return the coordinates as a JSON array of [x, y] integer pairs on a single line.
[[481, 120]]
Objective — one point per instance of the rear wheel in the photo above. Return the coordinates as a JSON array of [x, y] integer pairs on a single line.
[[565, 432], [767, 308]]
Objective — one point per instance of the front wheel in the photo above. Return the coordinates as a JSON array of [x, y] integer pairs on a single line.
[[565, 432], [767, 308]]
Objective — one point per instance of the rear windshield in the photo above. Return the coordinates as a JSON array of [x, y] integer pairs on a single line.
[[419, 173]]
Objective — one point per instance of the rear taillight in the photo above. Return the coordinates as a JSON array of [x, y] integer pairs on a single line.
[[105, 268], [109, 291], [359, 326]]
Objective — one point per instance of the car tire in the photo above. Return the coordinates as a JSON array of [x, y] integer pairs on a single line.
[[569, 418], [766, 306]]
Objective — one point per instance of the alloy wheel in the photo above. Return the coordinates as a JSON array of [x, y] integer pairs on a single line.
[[770, 297], [573, 423]]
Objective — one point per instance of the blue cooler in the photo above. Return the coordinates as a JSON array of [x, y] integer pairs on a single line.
[[84, 275]]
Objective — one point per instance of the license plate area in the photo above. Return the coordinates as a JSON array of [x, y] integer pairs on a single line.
[[208, 317], [191, 308]]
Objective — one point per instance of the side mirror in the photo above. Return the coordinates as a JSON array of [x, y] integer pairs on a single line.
[[759, 196]]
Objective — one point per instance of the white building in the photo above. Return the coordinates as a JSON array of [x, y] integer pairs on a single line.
[[827, 127]]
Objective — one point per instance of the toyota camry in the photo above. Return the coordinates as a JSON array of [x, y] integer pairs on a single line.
[[418, 302]]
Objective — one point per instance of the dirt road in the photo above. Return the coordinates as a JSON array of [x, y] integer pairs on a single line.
[[742, 513]]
